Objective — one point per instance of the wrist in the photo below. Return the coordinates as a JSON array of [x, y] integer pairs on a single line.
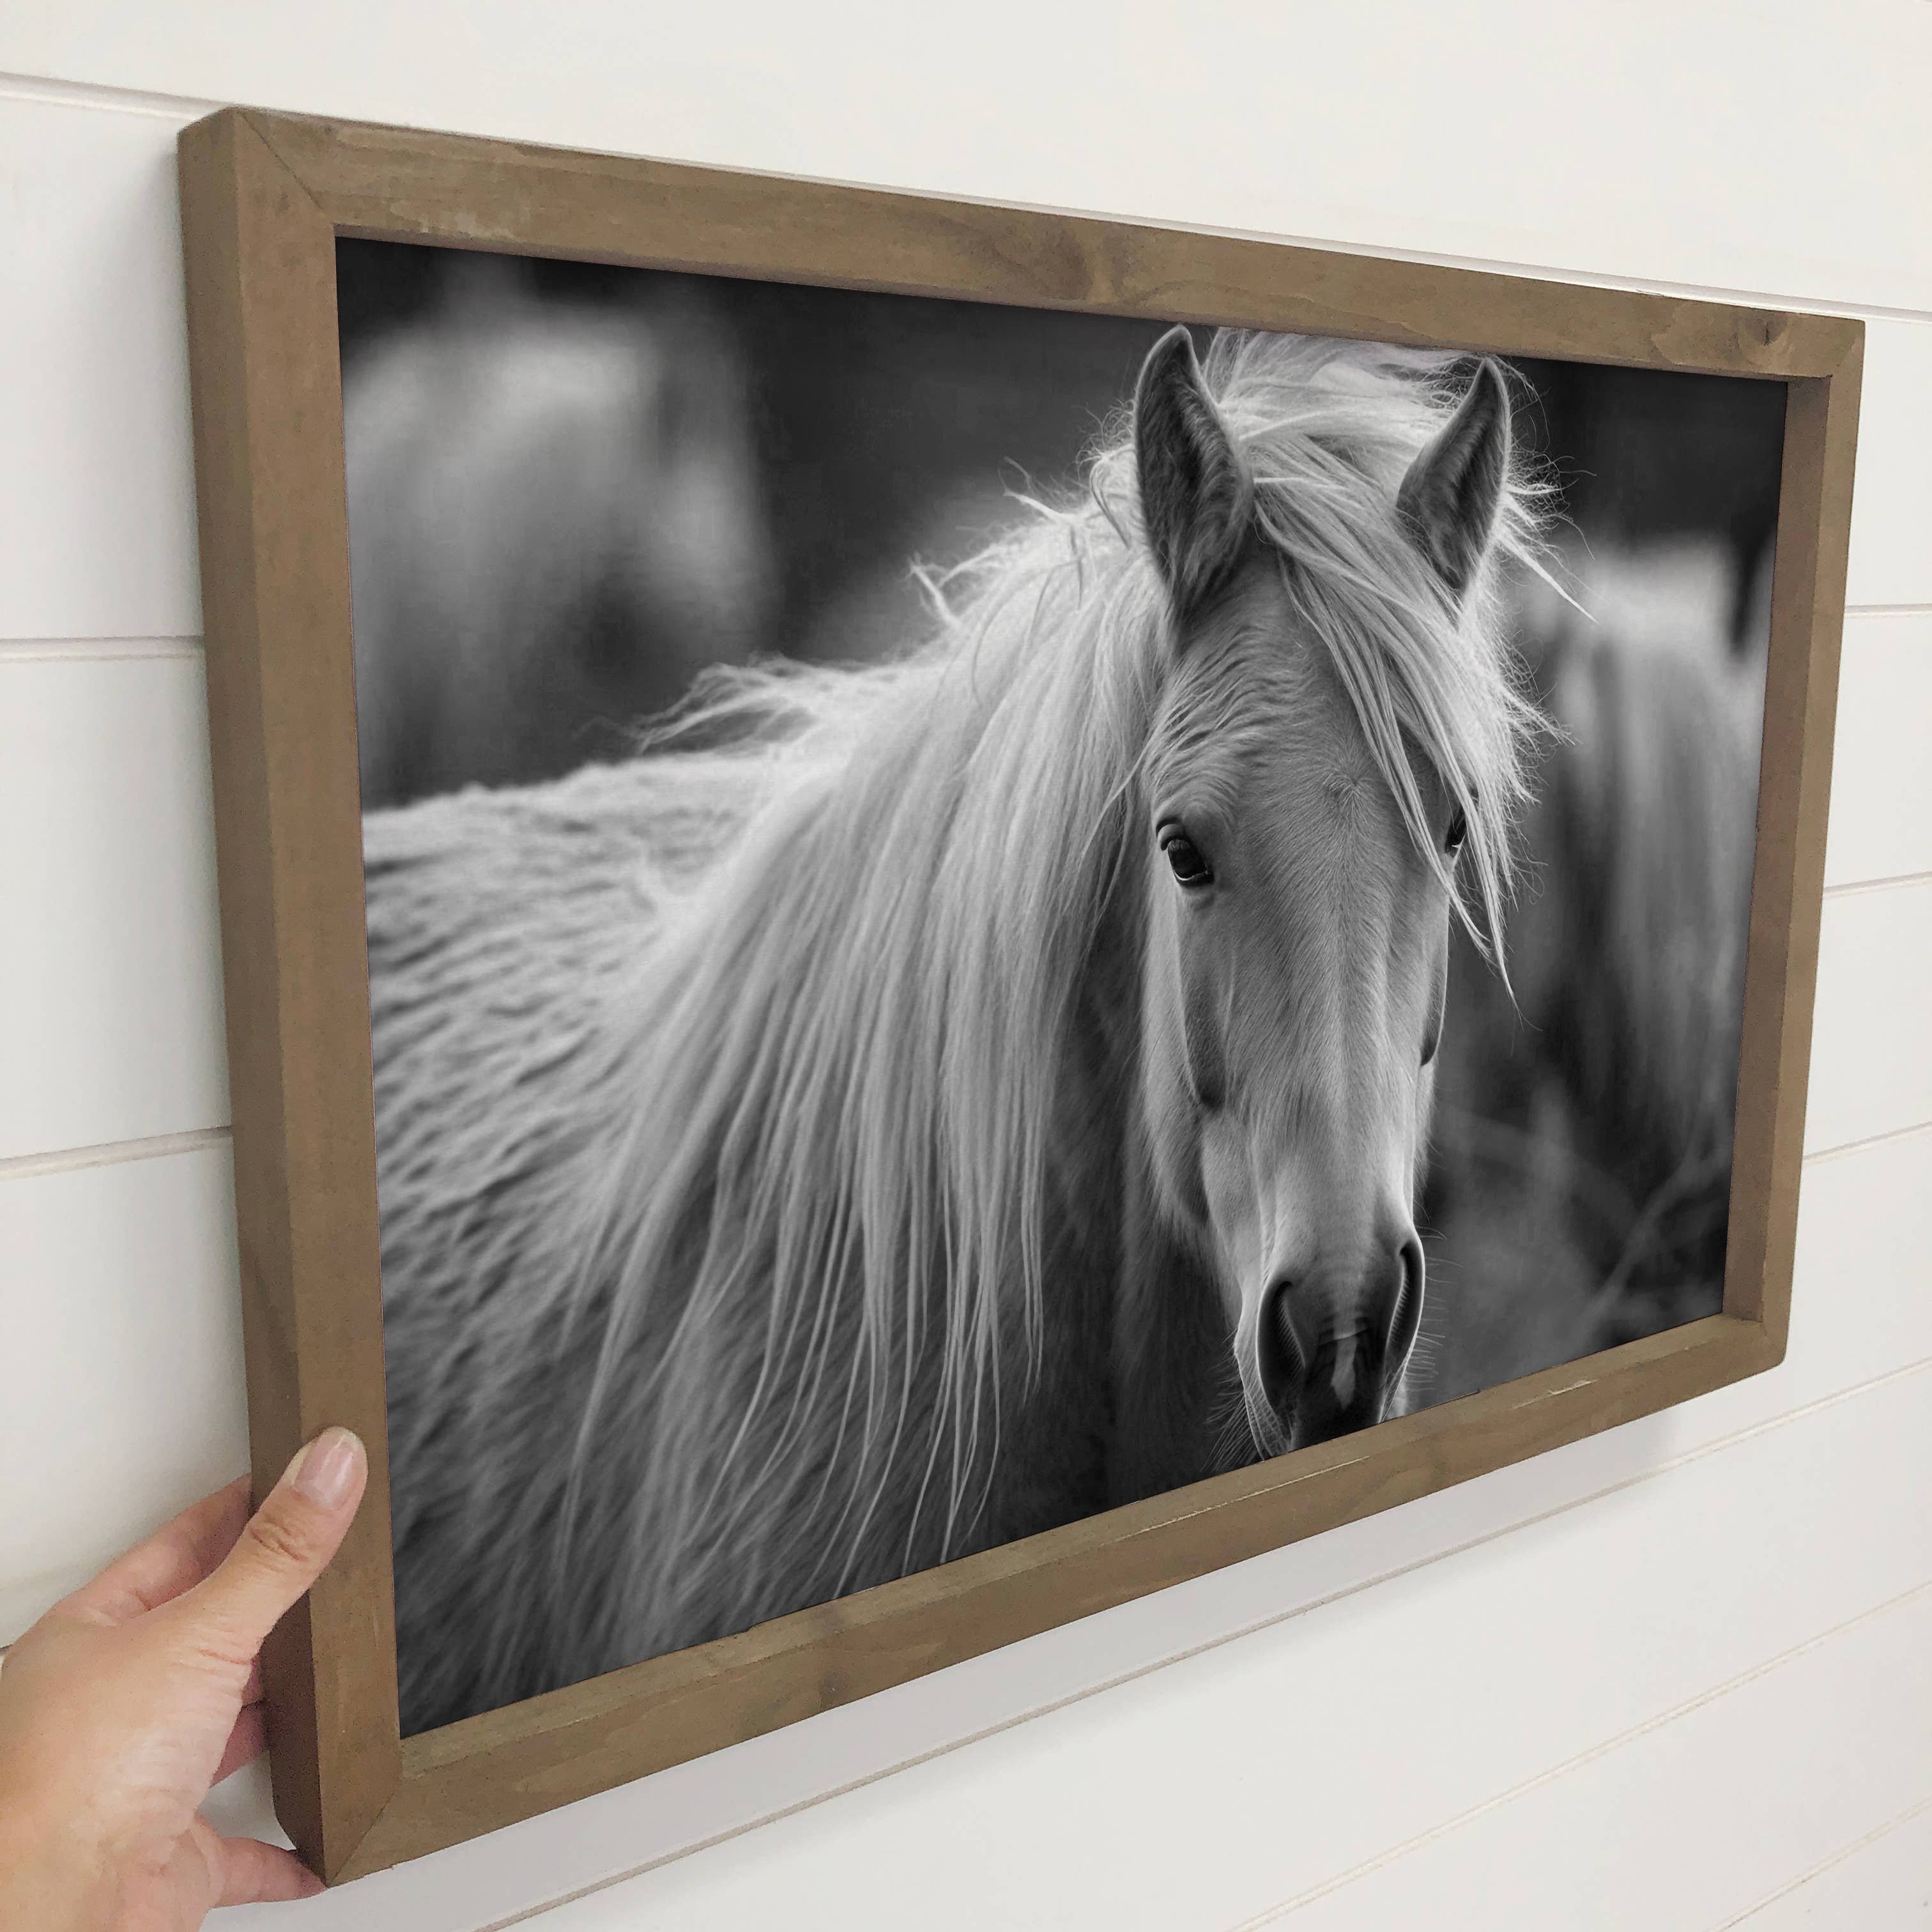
[[49, 1876]]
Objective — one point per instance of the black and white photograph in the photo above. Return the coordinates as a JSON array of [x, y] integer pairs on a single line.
[[977, 914]]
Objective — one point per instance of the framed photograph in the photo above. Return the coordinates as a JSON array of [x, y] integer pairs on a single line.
[[933, 914]]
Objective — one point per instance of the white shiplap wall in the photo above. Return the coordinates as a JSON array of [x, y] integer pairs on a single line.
[[1678, 1676]]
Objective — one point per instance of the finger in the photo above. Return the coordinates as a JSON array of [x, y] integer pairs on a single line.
[[253, 1873], [246, 1741], [286, 1544], [176, 1558]]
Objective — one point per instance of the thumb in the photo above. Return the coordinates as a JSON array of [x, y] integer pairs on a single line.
[[288, 1542]]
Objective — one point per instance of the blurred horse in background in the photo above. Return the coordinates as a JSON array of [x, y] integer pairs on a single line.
[[555, 519], [1582, 1174]]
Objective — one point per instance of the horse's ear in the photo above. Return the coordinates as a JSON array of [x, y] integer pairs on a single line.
[[1195, 496], [1447, 501]]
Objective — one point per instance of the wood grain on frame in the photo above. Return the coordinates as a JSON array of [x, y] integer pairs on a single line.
[[274, 553], [264, 198], [1801, 706]]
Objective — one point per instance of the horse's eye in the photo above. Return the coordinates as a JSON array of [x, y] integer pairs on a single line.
[[1459, 830], [1184, 857]]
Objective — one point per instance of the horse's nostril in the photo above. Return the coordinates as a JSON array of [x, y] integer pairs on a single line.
[[1282, 1364], [1330, 1363]]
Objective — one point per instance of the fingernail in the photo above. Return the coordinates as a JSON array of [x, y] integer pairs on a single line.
[[329, 1469]]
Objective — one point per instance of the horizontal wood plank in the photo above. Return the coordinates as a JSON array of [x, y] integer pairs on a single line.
[[1881, 824], [1728, 1799], [97, 508], [121, 1395], [1882, 1881], [110, 982], [1872, 1037], [1890, 561]]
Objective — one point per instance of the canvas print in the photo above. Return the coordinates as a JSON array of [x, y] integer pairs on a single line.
[[977, 914]]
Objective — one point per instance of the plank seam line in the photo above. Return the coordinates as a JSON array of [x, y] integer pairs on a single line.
[[71, 650], [778, 1813], [1581, 1759], [1825, 1864], [99, 95], [1887, 610], [1819, 1156], [110, 1153], [1890, 882]]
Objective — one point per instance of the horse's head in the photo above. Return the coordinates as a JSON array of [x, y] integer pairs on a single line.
[[1298, 925]]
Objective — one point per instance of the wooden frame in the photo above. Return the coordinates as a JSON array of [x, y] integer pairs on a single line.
[[264, 198]]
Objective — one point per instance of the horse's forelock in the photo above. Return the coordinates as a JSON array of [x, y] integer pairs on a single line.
[[1331, 430]]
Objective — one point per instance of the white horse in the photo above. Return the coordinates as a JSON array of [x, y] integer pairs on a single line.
[[551, 507], [929, 1103]]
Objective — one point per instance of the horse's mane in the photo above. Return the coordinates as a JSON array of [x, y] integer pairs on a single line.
[[829, 1213]]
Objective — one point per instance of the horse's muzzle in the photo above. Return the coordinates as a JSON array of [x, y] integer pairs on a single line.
[[1330, 1361]]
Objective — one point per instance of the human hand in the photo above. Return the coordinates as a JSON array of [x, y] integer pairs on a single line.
[[129, 1698]]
